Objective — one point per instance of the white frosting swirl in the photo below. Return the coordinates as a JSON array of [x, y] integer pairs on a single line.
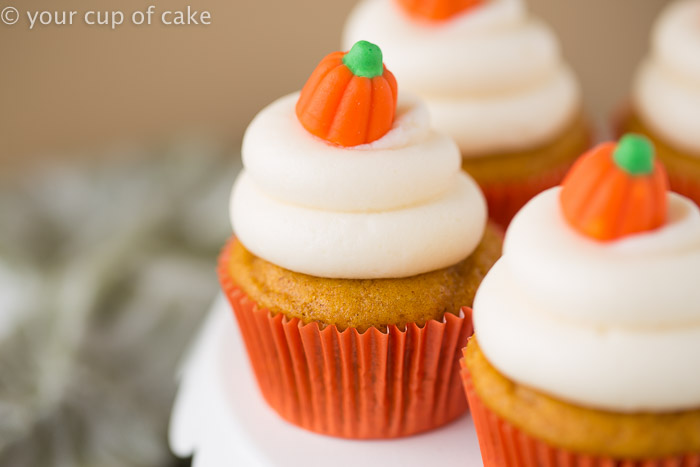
[[667, 86], [484, 74], [409, 165], [613, 326], [397, 207]]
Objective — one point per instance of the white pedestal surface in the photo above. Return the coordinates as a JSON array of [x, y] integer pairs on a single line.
[[221, 419]]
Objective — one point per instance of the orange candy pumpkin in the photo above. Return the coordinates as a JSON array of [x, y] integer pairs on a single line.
[[350, 98], [616, 190], [437, 10]]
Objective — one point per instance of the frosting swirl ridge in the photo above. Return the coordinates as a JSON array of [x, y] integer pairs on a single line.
[[396, 207], [411, 164]]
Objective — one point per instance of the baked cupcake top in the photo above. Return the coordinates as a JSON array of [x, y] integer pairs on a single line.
[[667, 86], [596, 299], [345, 180], [491, 74]]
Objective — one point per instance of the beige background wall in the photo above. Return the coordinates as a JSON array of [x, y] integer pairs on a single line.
[[65, 88]]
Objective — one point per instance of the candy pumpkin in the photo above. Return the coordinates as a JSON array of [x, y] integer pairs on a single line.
[[437, 10], [616, 190], [350, 98]]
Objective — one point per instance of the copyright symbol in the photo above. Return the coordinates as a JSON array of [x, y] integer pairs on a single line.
[[9, 15]]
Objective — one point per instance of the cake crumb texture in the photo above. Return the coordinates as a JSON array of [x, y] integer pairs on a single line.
[[364, 303]]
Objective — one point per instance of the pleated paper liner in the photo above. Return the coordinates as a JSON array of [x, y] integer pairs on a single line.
[[504, 445], [505, 199], [350, 384]]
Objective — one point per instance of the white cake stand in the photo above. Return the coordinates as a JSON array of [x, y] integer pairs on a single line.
[[221, 419]]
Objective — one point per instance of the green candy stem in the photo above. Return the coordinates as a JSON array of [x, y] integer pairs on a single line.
[[364, 59], [634, 154]]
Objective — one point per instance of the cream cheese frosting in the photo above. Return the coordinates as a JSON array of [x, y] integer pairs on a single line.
[[613, 326], [397, 207], [666, 91], [410, 165], [490, 72]]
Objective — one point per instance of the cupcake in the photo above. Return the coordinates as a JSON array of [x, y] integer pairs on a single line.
[[666, 96], [586, 349], [494, 80], [358, 240]]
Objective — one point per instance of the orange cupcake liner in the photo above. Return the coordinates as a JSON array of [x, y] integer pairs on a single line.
[[350, 384], [505, 199], [504, 445]]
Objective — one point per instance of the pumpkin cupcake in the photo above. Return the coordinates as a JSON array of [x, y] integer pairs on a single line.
[[592, 358], [358, 241], [666, 96], [494, 80]]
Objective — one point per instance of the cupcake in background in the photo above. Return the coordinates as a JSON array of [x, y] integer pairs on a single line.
[[592, 357], [666, 96], [359, 240], [494, 80]]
